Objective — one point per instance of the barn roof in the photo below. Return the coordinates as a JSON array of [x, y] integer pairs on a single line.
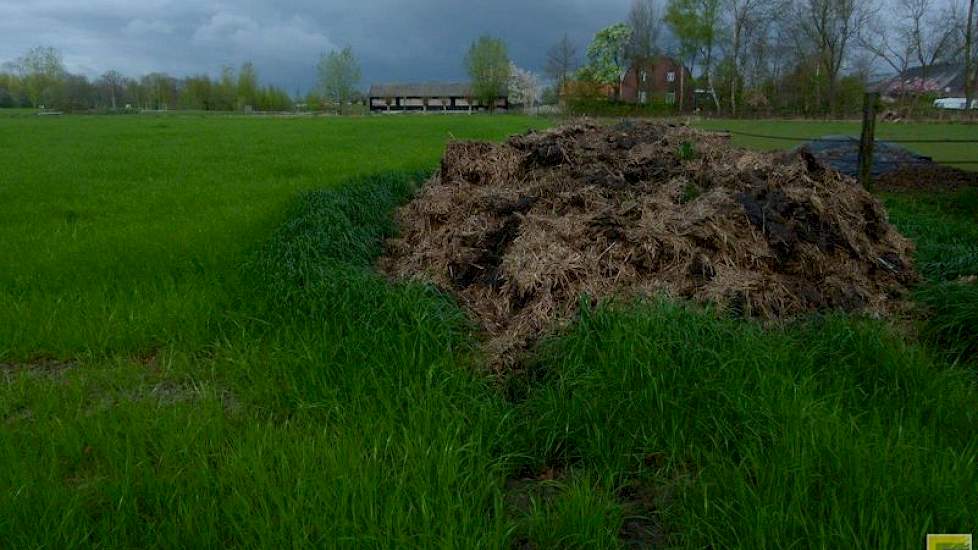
[[940, 78], [422, 89]]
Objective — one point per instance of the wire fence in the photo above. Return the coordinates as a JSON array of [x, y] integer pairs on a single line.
[[856, 140]]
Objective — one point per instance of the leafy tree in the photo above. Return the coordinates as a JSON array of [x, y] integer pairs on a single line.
[[41, 70], [197, 93], [314, 101], [274, 99], [74, 94], [607, 55], [226, 91], [160, 91], [489, 68], [247, 86], [550, 96], [339, 75], [9, 90], [696, 24]]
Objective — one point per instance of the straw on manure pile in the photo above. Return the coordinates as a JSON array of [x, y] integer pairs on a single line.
[[519, 231]]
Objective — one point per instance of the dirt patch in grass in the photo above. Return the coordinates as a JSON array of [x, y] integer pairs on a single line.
[[641, 505], [642, 526], [931, 177], [40, 367], [521, 230], [527, 484]]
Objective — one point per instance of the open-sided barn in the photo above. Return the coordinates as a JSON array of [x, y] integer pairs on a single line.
[[429, 96]]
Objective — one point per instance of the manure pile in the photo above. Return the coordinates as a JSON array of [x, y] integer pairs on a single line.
[[931, 177], [521, 230]]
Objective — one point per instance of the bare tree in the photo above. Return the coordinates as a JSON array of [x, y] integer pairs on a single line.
[[929, 32], [111, 83], [762, 56], [888, 43], [744, 15], [830, 28], [562, 60], [646, 23], [969, 57], [912, 32]]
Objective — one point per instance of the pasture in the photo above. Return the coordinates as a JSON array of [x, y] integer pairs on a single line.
[[196, 350], [119, 232], [884, 131]]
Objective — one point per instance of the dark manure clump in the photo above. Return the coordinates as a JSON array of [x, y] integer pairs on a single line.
[[521, 230]]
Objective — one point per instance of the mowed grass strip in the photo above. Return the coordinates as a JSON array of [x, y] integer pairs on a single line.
[[119, 233]]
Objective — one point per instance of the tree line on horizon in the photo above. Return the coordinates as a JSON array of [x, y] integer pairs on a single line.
[[797, 57], [40, 79], [802, 57]]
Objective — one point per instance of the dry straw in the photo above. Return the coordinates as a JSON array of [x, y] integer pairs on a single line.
[[520, 231]]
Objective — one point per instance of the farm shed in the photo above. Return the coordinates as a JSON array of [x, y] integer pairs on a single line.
[[429, 96]]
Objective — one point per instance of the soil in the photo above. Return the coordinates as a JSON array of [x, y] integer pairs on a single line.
[[521, 230], [932, 177]]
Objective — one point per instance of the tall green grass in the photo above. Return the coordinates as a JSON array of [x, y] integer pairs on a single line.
[[301, 399], [944, 227], [834, 434], [333, 411], [119, 233]]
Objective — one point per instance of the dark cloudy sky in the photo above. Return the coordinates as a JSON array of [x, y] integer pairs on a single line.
[[394, 39]]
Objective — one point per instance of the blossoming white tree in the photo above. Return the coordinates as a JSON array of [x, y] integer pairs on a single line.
[[524, 87]]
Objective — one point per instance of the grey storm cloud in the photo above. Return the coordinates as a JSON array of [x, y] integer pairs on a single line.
[[396, 40]]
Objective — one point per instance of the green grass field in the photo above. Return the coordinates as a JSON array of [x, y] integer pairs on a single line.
[[813, 129], [197, 352], [119, 232]]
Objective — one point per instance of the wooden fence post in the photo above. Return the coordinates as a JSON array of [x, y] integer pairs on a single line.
[[867, 142]]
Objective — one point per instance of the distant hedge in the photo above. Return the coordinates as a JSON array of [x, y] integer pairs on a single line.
[[602, 107]]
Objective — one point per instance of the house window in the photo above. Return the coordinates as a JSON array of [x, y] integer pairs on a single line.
[[645, 76], [670, 77], [670, 98], [643, 97]]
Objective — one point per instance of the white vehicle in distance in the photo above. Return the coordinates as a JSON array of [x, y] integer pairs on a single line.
[[954, 103]]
